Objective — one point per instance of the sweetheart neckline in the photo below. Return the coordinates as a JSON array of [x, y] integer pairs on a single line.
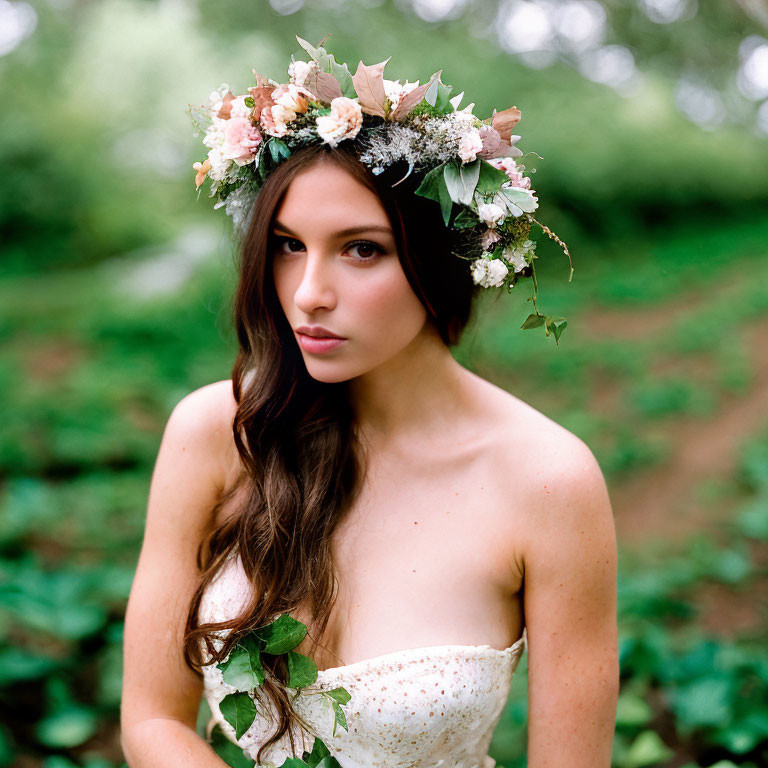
[[423, 649]]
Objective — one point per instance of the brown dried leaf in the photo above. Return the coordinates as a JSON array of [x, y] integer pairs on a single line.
[[262, 97], [260, 79], [368, 81], [226, 106], [323, 85], [504, 122], [410, 100]]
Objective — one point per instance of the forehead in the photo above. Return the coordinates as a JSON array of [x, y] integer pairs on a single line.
[[327, 197]]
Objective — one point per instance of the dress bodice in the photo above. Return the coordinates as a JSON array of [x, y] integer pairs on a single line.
[[427, 707]]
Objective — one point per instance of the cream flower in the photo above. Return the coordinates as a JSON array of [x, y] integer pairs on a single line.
[[298, 71], [292, 97], [489, 272], [275, 119], [471, 143], [344, 122], [490, 213], [395, 91], [219, 165]]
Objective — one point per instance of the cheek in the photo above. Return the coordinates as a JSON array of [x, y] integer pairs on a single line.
[[388, 303]]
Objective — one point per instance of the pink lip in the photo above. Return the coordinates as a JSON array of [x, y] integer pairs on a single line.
[[316, 344]]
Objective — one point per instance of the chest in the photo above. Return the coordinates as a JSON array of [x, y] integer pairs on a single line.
[[425, 556]]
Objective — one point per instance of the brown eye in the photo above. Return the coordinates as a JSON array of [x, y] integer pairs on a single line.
[[280, 241], [366, 250]]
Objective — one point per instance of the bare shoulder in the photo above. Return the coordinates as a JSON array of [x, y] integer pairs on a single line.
[[555, 472], [202, 420]]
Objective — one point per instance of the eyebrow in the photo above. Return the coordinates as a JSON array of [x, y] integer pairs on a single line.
[[345, 232]]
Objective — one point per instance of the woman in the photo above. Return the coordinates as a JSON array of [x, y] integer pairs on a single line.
[[425, 525]]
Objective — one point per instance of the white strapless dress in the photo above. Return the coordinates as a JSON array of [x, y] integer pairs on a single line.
[[419, 707]]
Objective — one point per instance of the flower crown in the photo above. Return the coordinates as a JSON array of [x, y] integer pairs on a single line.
[[470, 163]]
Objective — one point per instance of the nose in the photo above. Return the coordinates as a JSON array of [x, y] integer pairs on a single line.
[[315, 290]]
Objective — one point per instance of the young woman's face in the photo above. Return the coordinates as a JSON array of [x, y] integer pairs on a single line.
[[335, 265]]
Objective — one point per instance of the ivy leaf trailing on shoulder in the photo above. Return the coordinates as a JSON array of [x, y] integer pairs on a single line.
[[282, 635], [302, 671], [337, 697], [239, 711], [243, 668]]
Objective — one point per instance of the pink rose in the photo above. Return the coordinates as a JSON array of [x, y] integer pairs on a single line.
[[344, 121], [510, 167], [241, 140]]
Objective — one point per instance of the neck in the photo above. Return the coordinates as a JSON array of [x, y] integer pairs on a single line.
[[414, 394]]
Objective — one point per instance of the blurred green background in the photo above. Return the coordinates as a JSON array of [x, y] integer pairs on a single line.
[[651, 119]]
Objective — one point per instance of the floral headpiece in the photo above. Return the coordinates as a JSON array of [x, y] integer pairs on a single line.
[[471, 168]]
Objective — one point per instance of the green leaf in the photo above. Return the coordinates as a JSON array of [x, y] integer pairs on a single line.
[[646, 750], [282, 635], [329, 762], [68, 728], [533, 321], [278, 150], [342, 695], [461, 181], [239, 711], [633, 710], [302, 671], [228, 751], [319, 751], [293, 762], [466, 219], [703, 702], [340, 717], [556, 325], [438, 95], [433, 187], [520, 199], [243, 668], [490, 179]]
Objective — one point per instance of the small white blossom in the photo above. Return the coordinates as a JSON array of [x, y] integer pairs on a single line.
[[298, 71], [395, 90], [490, 213], [489, 272]]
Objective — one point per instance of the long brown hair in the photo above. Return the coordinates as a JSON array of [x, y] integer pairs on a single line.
[[299, 470]]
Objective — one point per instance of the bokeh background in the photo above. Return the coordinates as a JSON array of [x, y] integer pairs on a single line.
[[651, 120]]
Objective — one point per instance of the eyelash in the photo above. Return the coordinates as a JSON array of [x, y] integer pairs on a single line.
[[280, 239]]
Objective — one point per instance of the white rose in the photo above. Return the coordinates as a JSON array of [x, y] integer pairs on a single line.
[[471, 143], [344, 122], [490, 213], [214, 134], [489, 272], [239, 108], [219, 165], [298, 71], [395, 90]]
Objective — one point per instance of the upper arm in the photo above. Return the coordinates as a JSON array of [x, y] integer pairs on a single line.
[[186, 483], [570, 567]]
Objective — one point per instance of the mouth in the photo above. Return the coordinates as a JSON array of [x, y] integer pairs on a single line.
[[318, 344]]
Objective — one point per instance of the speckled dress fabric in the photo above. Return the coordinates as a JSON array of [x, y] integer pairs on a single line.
[[416, 708]]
